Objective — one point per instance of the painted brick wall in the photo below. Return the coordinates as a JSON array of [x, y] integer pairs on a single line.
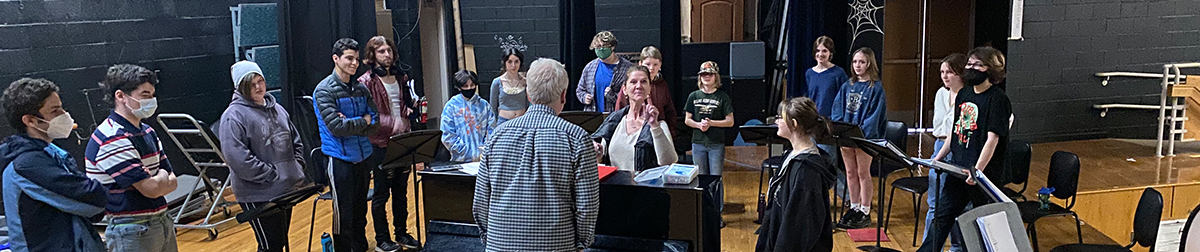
[[534, 21], [73, 42], [1050, 75], [635, 22]]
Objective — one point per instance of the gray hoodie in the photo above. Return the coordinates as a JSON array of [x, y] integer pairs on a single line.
[[263, 149]]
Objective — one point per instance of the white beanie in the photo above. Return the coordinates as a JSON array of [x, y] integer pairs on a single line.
[[241, 69]]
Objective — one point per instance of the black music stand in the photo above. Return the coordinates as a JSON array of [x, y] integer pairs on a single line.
[[762, 134], [280, 204], [839, 135], [588, 120], [842, 133], [885, 151], [409, 149]]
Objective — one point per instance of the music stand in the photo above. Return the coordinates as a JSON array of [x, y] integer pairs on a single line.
[[414, 147], [280, 204], [588, 120], [839, 135], [885, 151], [762, 134]]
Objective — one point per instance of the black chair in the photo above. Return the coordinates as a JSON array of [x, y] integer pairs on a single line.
[[917, 186], [316, 173], [769, 165], [897, 134], [1016, 164], [1064, 177], [1183, 240], [1145, 227]]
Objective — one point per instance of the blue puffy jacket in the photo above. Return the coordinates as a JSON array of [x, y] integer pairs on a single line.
[[342, 111], [48, 200]]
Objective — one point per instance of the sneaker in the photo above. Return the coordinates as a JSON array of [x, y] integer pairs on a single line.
[[847, 217], [860, 220], [386, 246], [407, 241]]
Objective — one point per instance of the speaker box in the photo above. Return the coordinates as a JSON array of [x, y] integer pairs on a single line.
[[746, 60]]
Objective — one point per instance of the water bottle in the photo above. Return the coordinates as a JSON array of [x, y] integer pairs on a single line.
[[326, 243]]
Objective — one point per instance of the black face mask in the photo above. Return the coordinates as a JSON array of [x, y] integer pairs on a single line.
[[382, 71], [467, 93], [972, 77]]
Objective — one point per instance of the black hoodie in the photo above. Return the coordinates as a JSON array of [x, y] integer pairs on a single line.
[[797, 214]]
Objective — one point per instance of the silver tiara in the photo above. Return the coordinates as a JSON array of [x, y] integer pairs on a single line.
[[509, 44]]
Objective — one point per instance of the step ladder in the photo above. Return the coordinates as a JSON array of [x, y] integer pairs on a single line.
[[197, 145]]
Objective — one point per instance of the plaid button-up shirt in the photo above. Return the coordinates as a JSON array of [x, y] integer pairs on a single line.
[[538, 185]]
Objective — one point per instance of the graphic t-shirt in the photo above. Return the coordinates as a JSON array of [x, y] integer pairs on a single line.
[[713, 106], [975, 115]]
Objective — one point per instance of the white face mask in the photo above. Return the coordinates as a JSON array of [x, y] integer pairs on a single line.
[[146, 109], [60, 126]]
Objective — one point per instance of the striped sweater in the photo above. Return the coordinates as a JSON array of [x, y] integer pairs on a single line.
[[119, 155]]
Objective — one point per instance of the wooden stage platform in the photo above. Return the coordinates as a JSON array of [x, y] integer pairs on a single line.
[[1113, 171]]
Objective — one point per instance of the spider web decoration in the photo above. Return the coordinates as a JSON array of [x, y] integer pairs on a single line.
[[862, 17], [509, 44]]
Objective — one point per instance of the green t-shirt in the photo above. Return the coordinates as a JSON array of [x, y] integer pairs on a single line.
[[713, 106]]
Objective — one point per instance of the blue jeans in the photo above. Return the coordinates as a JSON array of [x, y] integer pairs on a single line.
[[710, 159], [934, 188], [500, 120], [141, 233]]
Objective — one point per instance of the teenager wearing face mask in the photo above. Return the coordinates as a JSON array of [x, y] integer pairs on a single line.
[[126, 155], [978, 139], [602, 78], [49, 200], [466, 120]]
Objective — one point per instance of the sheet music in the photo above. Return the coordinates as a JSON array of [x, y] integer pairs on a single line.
[[895, 150], [940, 166], [982, 181], [994, 230], [470, 168]]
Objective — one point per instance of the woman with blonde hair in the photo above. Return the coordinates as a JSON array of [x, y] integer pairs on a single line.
[[861, 102]]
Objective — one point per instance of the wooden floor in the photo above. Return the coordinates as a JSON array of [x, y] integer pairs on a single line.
[[1106, 164]]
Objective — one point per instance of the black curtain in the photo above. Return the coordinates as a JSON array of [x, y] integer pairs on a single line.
[[807, 20], [578, 18], [308, 29]]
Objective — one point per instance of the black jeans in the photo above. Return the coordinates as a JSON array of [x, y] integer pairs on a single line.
[[394, 183], [350, 183], [956, 195], [270, 231]]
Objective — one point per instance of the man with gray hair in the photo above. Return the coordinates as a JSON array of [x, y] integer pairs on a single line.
[[538, 187]]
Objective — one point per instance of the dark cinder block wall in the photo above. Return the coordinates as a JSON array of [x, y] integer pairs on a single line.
[[1051, 78], [635, 23], [535, 22], [73, 42]]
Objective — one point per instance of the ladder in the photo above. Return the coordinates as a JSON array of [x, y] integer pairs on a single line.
[[198, 147]]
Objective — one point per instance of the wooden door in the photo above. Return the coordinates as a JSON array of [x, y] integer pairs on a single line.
[[717, 20], [947, 33]]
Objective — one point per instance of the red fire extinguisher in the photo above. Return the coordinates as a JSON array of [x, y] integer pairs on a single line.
[[424, 107]]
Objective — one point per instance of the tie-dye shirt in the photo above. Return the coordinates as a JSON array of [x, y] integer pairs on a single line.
[[465, 125]]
